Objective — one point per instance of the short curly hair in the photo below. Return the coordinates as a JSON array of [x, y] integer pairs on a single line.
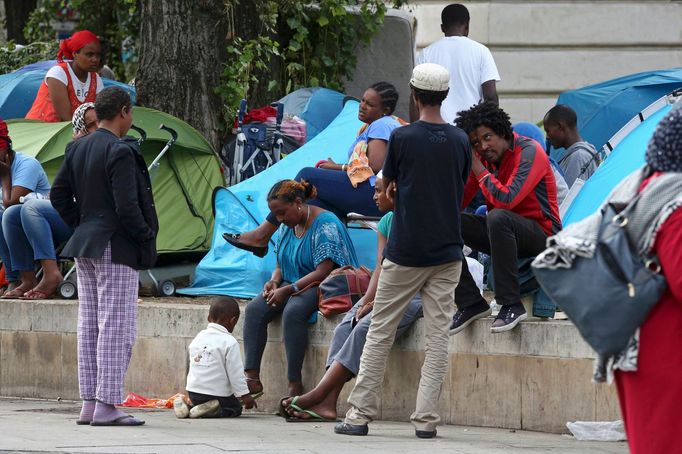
[[490, 115], [463, 120]]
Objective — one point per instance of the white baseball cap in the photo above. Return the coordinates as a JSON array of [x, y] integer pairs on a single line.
[[430, 77]]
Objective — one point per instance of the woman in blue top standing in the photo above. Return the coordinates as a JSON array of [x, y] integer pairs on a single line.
[[342, 188], [312, 242]]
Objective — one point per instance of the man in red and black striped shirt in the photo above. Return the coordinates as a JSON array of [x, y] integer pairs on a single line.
[[515, 176]]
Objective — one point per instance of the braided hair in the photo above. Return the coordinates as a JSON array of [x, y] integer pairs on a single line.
[[290, 190], [388, 94]]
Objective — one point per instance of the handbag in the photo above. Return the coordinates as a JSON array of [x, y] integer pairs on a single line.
[[344, 286], [609, 295]]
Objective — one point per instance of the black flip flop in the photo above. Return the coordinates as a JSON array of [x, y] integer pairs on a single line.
[[282, 410], [233, 239], [127, 420]]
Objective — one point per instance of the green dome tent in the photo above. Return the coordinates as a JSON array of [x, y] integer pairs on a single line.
[[183, 184]]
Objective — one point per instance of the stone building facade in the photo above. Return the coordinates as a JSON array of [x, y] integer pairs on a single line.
[[543, 48]]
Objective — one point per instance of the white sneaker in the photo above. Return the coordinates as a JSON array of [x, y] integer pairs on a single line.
[[210, 408], [180, 408]]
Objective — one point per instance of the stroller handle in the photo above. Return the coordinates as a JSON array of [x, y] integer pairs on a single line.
[[241, 112], [171, 131], [140, 131], [280, 114]]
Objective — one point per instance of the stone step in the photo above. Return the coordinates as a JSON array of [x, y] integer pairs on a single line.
[[536, 377]]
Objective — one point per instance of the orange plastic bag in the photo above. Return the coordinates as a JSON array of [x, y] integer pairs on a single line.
[[135, 400]]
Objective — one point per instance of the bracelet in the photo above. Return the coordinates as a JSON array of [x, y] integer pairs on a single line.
[[343, 167], [295, 287]]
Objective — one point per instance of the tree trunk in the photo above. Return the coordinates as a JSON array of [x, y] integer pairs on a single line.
[[16, 15], [182, 48]]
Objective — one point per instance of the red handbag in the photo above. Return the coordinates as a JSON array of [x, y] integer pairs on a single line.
[[342, 289]]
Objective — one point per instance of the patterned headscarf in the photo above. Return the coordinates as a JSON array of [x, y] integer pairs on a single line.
[[78, 119], [664, 153]]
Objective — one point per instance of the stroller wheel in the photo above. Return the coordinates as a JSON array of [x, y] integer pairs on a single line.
[[166, 288], [67, 290]]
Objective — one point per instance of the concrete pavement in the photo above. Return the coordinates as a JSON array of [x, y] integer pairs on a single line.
[[49, 426]]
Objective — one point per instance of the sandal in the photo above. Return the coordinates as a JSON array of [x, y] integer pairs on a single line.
[[37, 295], [13, 294], [233, 239], [127, 420], [312, 416]]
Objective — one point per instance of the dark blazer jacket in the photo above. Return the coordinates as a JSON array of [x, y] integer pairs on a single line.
[[103, 191]]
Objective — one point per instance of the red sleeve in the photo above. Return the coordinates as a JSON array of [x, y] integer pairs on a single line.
[[668, 244], [528, 173]]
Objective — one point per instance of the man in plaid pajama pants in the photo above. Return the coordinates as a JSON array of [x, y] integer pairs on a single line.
[[103, 191]]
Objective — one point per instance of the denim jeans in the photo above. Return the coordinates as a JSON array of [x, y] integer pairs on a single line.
[[335, 193], [30, 232]]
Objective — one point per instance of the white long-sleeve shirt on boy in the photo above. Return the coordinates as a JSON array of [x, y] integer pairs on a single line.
[[215, 364]]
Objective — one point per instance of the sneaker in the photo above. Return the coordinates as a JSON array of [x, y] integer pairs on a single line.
[[508, 318], [464, 317], [207, 409], [180, 408], [343, 428]]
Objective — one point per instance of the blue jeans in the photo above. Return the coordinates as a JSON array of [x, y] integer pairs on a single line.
[[335, 193], [30, 232]]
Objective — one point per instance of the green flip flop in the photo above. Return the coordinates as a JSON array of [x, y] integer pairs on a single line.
[[314, 417], [257, 395]]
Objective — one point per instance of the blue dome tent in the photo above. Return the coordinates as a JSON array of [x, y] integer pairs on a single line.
[[605, 107], [18, 91], [625, 153], [227, 270]]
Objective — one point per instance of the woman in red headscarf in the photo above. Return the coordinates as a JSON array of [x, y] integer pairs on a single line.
[[69, 84]]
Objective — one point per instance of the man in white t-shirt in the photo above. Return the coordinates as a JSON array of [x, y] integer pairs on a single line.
[[473, 73]]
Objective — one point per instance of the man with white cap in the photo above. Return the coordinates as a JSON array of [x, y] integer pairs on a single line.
[[427, 162]]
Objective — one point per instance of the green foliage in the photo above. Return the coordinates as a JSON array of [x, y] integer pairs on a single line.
[[117, 21], [12, 58], [313, 42]]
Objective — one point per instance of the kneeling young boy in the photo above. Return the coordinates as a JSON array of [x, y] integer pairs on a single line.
[[216, 383]]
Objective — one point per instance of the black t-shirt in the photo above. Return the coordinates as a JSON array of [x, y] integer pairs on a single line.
[[430, 164]]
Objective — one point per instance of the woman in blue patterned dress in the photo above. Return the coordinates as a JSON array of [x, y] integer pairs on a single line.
[[312, 242]]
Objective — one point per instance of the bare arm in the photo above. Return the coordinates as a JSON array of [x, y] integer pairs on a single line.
[[10, 194], [368, 297], [376, 154], [489, 90], [279, 296], [60, 98]]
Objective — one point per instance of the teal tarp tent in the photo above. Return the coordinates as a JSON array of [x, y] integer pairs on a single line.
[[605, 107], [629, 147], [226, 270]]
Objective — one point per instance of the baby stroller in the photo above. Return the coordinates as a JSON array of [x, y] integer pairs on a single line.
[[68, 287], [254, 150]]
